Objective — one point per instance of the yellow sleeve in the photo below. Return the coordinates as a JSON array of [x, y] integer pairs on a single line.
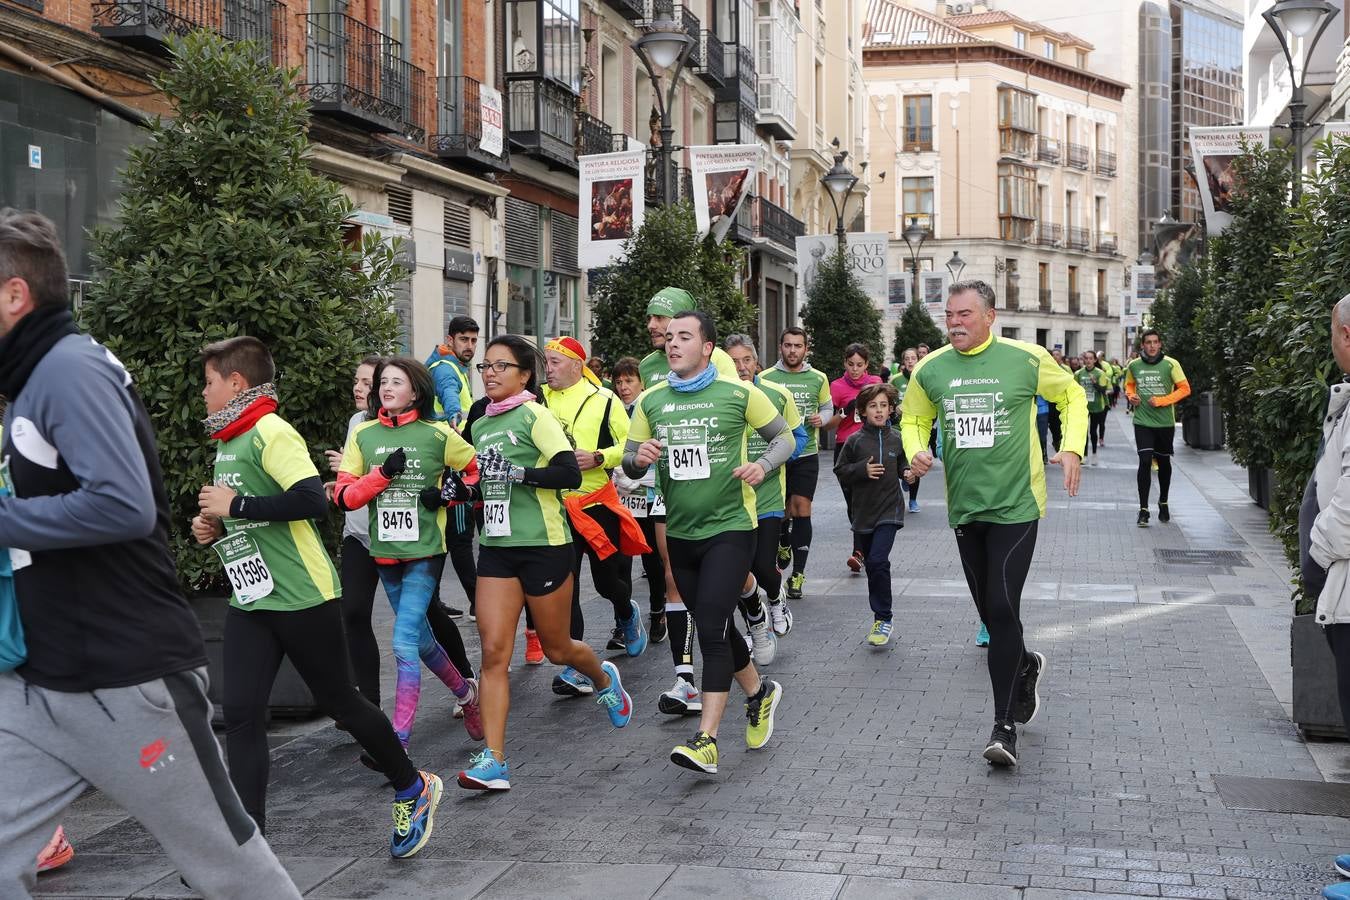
[[639, 429], [548, 435], [618, 429], [724, 364], [759, 409], [285, 457], [824, 397], [1064, 391], [353, 461], [458, 452], [1178, 376], [791, 414], [916, 416]]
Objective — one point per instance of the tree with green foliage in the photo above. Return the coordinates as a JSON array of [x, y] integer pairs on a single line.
[[665, 252], [916, 327], [1174, 316], [225, 230], [839, 313]]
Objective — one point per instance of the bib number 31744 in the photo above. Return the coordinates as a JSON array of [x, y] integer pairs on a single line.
[[973, 421], [496, 508], [250, 578], [688, 453]]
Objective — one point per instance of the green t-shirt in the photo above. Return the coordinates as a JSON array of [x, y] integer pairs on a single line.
[[271, 565], [771, 495], [1095, 384], [900, 381], [811, 389], [654, 366], [1154, 380], [987, 401], [515, 515], [400, 526], [704, 438]]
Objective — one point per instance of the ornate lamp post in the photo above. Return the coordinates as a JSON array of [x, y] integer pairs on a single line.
[[1299, 18], [664, 46], [914, 236], [841, 182]]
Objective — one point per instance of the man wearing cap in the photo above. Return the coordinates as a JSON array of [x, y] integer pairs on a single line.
[[665, 303], [595, 419]]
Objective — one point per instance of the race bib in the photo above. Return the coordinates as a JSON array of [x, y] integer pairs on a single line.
[[496, 508], [635, 504], [687, 453], [249, 576], [396, 518], [973, 421], [656, 504]]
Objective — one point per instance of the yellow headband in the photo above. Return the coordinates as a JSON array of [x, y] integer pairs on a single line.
[[572, 349]]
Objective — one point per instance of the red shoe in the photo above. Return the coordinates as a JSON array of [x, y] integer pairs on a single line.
[[57, 853], [534, 651], [855, 562], [473, 716]]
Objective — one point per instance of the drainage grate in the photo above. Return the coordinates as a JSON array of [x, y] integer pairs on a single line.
[[1283, 795], [1206, 598], [1201, 557]]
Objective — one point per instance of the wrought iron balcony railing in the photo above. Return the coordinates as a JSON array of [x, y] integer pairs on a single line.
[[1106, 242], [918, 137], [1047, 303], [459, 125], [1048, 234], [1104, 306], [1047, 149], [593, 135], [542, 117], [147, 24], [1075, 303], [358, 74], [712, 59], [1077, 157], [1077, 238], [774, 223], [1106, 162], [629, 9]]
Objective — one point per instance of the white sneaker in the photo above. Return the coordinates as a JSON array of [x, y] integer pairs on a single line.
[[780, 615], [763, 644], [681, 700]]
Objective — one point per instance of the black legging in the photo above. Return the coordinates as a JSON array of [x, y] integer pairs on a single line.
[[1056, 433], [459, 546], [1097, 427], [313, 640], [764, 564], [613, 577], [654, 568], [710, 574], [359, 579], [1144, 476], [996, 560]]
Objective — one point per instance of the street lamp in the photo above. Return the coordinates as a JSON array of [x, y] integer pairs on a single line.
[[664, 45], [955, 266], [1300, 18], [841, 182], [914, 235]]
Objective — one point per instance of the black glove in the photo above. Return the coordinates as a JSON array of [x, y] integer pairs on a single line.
[[456, 490], [394, 464], [431, 498]]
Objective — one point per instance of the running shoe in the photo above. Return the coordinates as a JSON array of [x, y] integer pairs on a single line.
[[759, 715], [56, 854], [473, 611], [615, 641], [796, 582], [614, 698], [634, 632], [534, 651], [1002, 747], [656, 631], [453, 612], [763, 644], [781, 616], [982, 638], [1163, 514], [855, 562], [1339, 891], [1028, 701], [681, 700], [784, 557], [473, 715], [486, 773], [571, 683], [700, 754], [414, 818], [880, 635], [1142, 521], [1342, 864], [914, 506]]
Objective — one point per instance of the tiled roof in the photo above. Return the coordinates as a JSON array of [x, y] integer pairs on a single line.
[[999, 17], [889, 24]]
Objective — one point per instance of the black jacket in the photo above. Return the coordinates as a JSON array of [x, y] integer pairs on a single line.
[[878, 501]]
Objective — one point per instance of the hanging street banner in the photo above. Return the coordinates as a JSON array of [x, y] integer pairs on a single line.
[[614, 205], [866, 252], [1145, 288], [1214, 150], [897, 297], [490, 112], [934, 286], [723, 176]]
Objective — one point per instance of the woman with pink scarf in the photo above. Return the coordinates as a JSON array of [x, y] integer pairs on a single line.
[[844, 394]]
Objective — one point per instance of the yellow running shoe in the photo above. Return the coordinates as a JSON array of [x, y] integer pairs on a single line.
[[759, 714], [880, 635], [700, 754]]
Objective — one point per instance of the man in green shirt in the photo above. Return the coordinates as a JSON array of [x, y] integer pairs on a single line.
[[1095, 383], [1154, 385], [984, 387]]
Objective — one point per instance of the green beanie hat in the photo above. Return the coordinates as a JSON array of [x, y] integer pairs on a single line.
[[670, 300]]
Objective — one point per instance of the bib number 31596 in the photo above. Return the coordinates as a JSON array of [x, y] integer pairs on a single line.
[[249, 576], [496, 508], [973, 421], [687, 450]]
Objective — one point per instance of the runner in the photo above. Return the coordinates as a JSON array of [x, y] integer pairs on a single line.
[[986, 388], [811, 389], [524, 559], [396, 462], [769, 501], [843, 392], [1056, 431], [602, 530], [449, 365], [665, 303], [259, 515], [900, 381], [693, 428], [109, 683], [1095, 385], [1154, 385]]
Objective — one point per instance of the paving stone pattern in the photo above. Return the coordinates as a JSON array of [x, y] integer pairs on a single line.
[[873, 785]]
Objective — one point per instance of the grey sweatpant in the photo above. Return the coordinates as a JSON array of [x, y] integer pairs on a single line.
[[149, 748]]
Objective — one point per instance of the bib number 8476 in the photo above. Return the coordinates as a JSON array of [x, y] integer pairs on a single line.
[[397, 519]]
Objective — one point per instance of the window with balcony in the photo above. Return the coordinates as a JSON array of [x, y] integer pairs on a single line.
[[448, 39], [1016, 201], [916, 202], [545, 40], [776, 29], [918, 122], [1016, 122]]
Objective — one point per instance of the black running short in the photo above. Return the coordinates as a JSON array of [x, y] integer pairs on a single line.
[[802, 474], [540, 570], [1158, 441]]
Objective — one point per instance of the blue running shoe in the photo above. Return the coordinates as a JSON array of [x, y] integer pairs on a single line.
[[1343, 865], [414, 818], [571, 683], [982, 639], [614, 698], [914, 506], [1337, 891], [634, 632], [486, 773]]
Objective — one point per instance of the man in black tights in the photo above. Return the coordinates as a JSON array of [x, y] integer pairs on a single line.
[[1154, 384]]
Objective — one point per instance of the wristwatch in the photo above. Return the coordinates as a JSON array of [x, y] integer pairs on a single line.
[[599, 458]]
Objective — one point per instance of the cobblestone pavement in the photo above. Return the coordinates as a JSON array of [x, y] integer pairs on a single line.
[[1163, 673]]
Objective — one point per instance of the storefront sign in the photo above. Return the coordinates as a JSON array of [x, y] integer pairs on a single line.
[[458, 265]]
